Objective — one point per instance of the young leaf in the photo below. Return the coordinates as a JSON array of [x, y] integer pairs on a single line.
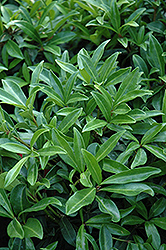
[[140, 158], [78, 145], [92, 166], [89, 67], [133, 175], [15, 229], [36, 135], [108, 146], [69, 86], [109, 207], [80, 199], [81, 240], [14, 172], [97, 54], [33, 228], [94, 124]]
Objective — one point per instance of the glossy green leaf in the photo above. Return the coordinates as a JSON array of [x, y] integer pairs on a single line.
[[13, 50], [122, 119], [89, 67], [109, 207], [159, 222], [140, 158], [117, 76], [157, 151], [97, 54], [16, 147], [152, 231], [164, 108], [129, 189], [113, 166], [14, 172], [78, 145], [132, 175], [36, 73], [108, 146], [80, 199], [68, 231], [55, 50], [32, 174], [51, 151], [15, 229], [36, 135], [158, 207], [4, 202], [105, 238], [92, 241], [28, 29], [115, 15], [69, 86], [92, 166], [94, 124], [149, 135], [139, 62], [132, 220], [69, 120], [41, 205], [81, 240], [51, 246], [123, 108], [18, 198], [33, 228]]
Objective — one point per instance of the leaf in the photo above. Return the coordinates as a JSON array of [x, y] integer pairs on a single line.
[[132, 220], [51, 246], [68, 231], [13, 49], [4, 202], [85, 179], [14, 172], [16, 147], [33, 228], [80, 199], [94, 124], [150, 134], [117, 76], [139, 62], [55, 50], [115, 15], [151, 231], [81, 240], [32, 173], [89, 66], [157, 151], [97, 54], [103, 104], [164, 107], [108, 146], [28, 29], [122, 119], [18, 198], [105, 238], [69, 120], [113, 166], [36, 73], [109, 207], [92, 241], [51, 151], [69, 86], [15, 229], [129, 189], [159, 222], [36, 135], [78, 145], [155, 51], [123, 108], [92, 166], [132, 175], [140, 158], [157, 208], [41, 205]]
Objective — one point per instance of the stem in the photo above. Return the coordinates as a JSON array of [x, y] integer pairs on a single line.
[[81, 215], [114, 238], [20, 140]]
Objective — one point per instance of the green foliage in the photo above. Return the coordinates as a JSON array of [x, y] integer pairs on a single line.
[[82, 124]]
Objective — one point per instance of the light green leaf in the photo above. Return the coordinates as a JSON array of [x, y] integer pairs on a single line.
[[4, 202], [51, 151], [51, 246], [129, 189], [15, 229], [164, 108], [92, 166], [13, 49], [55, 50], [117, 76], [108, 146], [69, 86], [69, 120], [78, 145], [109, 207], [81, 240], [33, 228], [92, 241], [122, 119], [97, 54], [89, 66], [85, 179], [80, 199], [14, 172], [115, 15], [132, 175], [36, 73], [37, 134], [121, 109], [113, 166], [94, 124], [140, 158], [16, 148]]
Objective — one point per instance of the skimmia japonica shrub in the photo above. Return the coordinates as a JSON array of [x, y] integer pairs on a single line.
[[83, 125]]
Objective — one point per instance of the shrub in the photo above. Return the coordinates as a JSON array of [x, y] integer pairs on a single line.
[[82, 124]]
